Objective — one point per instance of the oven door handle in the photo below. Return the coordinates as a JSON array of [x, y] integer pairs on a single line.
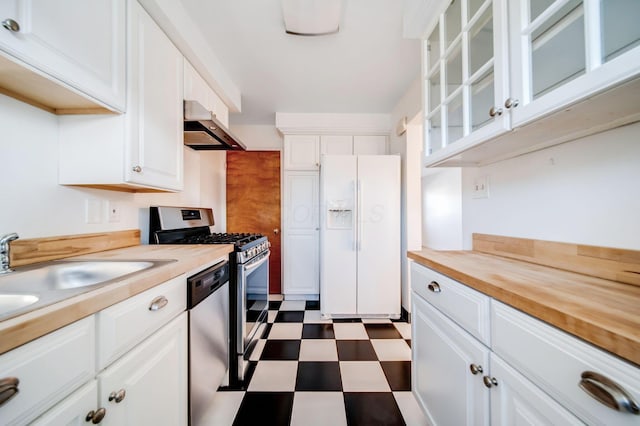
[[256, 263]]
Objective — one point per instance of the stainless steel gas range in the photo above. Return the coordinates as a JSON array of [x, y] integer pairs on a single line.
[[249, 274]]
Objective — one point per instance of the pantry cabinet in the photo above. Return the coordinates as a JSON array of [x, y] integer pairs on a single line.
[[301, 248], [80, 45], [141, 150], [301, 152], [553, 70]]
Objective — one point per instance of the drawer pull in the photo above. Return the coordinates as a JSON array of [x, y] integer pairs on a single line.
[[95, 417], [475, 369], [608, 392], [490, 381], [434, 287], [158, 303], [8, 389], [117, 396]]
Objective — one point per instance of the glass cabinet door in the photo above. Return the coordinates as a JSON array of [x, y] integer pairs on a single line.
[[461, 84], [558, 44]]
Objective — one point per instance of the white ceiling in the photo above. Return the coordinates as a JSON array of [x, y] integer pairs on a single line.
[[365, 68]]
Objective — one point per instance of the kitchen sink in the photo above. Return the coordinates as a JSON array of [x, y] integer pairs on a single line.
[[32, 287]]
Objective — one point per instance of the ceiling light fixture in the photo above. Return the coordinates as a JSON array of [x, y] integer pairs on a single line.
[[311, 17]]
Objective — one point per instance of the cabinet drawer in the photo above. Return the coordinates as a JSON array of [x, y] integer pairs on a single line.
[[122, 326], [555, 361], [467, 307], [49, 369], [73, 409]]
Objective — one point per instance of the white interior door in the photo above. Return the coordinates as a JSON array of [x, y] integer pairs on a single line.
[[338, 228], [378, 235]]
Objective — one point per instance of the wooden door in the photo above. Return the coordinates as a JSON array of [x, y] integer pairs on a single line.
[[253, 201]]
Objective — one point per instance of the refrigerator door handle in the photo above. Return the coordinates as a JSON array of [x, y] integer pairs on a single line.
[[359, 216], [355, 217]]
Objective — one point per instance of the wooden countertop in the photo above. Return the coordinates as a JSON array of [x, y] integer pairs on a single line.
[[189, 259], [603, 312]]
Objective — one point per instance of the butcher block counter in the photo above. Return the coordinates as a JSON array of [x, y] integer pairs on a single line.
[[604, 312], [188, 259]]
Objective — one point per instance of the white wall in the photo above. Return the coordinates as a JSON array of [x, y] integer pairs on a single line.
[[442, 209], [34, 205], [586, 191], [259, 137], [408, 147]]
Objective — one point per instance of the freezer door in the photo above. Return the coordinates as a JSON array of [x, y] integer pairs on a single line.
[[338, 229]]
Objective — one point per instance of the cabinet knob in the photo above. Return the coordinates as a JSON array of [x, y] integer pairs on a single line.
[[117, 396], [475, 369], [608, 392], [490, 381], [434, 287], [495, 111], [11, 25], [511, 103], [95, 417], [8, 389], [137, 169]]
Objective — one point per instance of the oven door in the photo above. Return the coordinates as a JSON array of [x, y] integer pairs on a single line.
[[253, 294]]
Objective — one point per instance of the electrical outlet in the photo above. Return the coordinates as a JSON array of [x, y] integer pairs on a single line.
[[481, 187], [114, 211], [92, 211]]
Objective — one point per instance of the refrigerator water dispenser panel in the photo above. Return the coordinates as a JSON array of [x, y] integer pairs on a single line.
[[339, 215]]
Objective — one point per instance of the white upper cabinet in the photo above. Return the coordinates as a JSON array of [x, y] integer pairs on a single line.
[[197, 89], [336, 145], [565, 50], [143, 149], [370, 145], [78, 44], [556, 70], [301, 152], [466, 75]]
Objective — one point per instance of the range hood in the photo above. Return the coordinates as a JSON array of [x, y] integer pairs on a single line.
[[202, 131]]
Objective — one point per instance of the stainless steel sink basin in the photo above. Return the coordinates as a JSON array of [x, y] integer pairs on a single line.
[[35, 286], [14, 302]]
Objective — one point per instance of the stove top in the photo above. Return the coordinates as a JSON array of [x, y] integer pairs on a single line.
[[232, 238]]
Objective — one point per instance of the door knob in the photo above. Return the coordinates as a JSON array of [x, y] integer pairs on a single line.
[[276, 231], [11, 25]]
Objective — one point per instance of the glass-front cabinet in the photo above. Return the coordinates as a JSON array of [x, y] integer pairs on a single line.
[[466, 76], [490, 66], [565, 50]]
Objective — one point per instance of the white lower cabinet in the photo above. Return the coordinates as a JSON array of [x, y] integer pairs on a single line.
[[125, 365], [149, 384], [75, 409], [448, 392], [515, 400], [45, 371], [530, 373]]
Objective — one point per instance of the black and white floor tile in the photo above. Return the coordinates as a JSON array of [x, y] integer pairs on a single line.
[[311, 371]]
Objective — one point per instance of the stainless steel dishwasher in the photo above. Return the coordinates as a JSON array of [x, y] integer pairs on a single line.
[[208, 304]]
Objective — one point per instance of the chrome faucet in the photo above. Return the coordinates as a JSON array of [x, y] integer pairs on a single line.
[[4, 252]]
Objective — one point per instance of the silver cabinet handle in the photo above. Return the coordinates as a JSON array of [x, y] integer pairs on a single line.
[[434, 287], [117, 396], [608, 392], [495, 111], [489, 381], [158, 303], [11, 25], [137, 169], [511, 103], [475, 369], [8, 389], [95, 417]]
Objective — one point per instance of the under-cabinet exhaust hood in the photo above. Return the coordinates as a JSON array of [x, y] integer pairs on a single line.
[[202, 131]]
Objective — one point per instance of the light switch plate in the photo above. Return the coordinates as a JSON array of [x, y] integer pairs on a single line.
[[93, 211], [481, 187], [114, 211]]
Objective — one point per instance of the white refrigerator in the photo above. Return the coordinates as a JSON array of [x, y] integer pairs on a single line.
[[360, 236]]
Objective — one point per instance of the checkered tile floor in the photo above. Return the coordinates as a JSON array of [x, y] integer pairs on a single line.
[[309, 371]]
